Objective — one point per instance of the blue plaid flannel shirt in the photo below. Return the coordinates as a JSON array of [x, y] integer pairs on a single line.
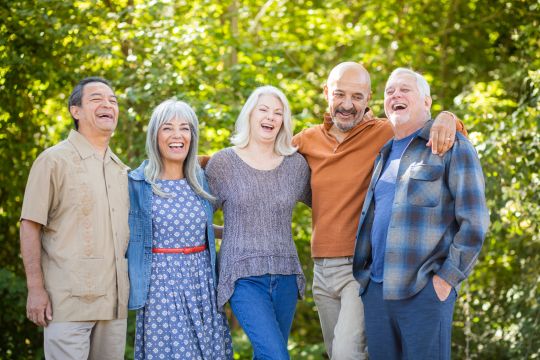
[[439, 218]]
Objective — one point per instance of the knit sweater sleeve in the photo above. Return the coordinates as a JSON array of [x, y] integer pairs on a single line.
[[305, 181], [216, 175]]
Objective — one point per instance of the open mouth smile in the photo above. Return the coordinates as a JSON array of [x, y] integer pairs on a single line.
[[267, 127], [399, 106], [105, 116], [176, 145], [346, 113]]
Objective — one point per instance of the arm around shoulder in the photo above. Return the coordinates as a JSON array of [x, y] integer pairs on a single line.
[[216, 173], [443, 132], [305, 180]]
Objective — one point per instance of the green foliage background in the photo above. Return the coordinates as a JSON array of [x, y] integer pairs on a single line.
[[481, 57]]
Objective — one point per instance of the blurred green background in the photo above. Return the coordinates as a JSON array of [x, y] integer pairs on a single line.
[[481, 58]]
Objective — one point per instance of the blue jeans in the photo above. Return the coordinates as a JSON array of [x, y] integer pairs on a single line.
[[416, 328], [264, 306]]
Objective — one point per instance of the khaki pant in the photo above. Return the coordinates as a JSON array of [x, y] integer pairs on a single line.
[[340, 308], [81, 340]]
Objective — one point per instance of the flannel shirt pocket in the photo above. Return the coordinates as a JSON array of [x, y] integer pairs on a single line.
[[425, 183]]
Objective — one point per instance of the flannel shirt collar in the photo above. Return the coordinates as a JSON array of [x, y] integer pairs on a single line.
[[423, 134]]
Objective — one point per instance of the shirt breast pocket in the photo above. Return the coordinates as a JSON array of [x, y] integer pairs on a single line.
[[425, 182]]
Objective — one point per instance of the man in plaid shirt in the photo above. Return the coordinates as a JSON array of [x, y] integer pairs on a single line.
[[421, 229]]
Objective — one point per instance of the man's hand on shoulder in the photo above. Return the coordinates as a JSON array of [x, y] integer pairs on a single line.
[[443, 133]]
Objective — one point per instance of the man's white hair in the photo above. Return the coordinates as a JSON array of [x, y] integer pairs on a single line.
[[421, 81]]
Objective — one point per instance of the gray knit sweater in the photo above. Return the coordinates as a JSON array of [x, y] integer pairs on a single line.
[[257, 207]]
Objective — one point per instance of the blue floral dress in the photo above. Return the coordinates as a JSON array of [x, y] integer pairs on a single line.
[[180, 319]]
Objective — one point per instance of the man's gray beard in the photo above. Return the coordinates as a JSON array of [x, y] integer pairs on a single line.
[[345, 127], [396, 123]]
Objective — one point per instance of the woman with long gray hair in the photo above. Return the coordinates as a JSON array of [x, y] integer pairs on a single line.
[[171, 252]]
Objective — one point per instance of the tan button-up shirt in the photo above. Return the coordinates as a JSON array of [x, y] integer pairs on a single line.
[[82, 201]]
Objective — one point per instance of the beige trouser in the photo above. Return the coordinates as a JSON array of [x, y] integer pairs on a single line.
[[78, 340], [340, 308]]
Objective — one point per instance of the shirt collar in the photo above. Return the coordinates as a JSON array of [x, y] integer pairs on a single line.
[[86, 150], [138, 173], [424, 133]]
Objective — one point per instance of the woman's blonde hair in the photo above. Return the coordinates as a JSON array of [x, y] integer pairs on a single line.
[[283, 144]]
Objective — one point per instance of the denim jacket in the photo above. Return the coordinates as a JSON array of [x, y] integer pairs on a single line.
[[139, 252]]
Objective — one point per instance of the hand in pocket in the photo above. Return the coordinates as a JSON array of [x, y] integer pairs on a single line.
[[442, 288]]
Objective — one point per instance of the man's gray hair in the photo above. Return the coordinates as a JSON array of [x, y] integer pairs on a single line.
[[421, 82], [283, 144], [166, 111]]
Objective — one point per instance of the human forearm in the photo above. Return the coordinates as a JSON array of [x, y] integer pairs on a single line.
[[30, 237], [443, 132], [38, 304]]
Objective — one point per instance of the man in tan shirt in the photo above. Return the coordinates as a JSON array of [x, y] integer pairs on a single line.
[[341, 153], [74, 234]]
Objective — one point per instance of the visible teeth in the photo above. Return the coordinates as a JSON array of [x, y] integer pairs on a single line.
[[180, 145], [399, 106], [267, 126]]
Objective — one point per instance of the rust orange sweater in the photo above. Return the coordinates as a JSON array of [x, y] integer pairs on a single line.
[[340, 176]]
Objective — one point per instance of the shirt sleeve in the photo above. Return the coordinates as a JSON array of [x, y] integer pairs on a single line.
[[215, 174], [297, 140], [460, 126], [466, 184], [305, 180], [39, 193]]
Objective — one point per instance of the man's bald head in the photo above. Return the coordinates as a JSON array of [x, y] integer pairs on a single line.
[[349, 71], [347, 91]]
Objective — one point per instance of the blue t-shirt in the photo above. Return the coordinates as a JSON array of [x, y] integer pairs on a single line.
[[385, 189]]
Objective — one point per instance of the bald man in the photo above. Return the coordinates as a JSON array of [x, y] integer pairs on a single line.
[[341, 152]]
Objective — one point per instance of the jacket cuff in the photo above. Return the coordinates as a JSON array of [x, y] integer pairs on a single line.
[[451, 274]]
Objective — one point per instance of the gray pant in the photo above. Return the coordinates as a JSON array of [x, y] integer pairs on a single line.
[[103, 339], [340, 308]]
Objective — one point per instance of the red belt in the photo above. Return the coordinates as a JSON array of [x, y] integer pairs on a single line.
[[186, 250]]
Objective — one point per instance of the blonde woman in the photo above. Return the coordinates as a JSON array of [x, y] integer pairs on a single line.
[[257, 183]]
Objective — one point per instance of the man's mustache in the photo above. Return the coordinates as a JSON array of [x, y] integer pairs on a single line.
[[351, 111]]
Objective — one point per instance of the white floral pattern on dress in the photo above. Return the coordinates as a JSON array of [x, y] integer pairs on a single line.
[[180, 319]]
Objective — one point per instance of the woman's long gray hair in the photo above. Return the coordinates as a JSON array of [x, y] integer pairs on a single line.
[[167, 110]]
